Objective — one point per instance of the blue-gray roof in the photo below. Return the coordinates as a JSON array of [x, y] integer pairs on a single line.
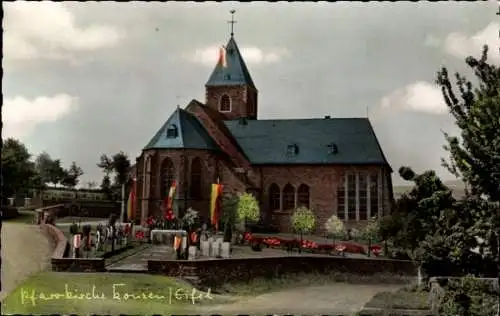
[[235, 72], [190, 134], [275, 141]]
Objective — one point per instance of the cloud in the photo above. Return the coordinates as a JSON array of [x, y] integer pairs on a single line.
[[432, 41], [48, 30], [461, 45], [252, 55], [21, 115], [420, 96]]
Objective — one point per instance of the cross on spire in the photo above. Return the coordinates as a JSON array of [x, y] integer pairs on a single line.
[[232, 22]]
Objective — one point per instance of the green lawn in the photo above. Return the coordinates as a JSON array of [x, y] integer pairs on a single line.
[[57, 292], [403, 299], [25, 217]]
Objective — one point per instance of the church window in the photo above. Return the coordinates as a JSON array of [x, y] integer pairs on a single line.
[[363, 196], [374, 208], [274, 197], [172, 131], [288, 197], [225, 103], [167, 175], [196, 185], [341, 201], [351, 196], [303, 195]]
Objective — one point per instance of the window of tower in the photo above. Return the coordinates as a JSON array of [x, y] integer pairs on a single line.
[[225, 103]]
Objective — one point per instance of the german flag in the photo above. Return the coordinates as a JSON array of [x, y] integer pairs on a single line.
[[169, 201], [215, 204]]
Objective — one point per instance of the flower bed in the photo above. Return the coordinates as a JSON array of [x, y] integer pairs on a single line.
[[311, 246]]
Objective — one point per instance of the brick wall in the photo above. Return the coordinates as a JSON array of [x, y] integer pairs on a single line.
[[243, 100], [215, 272]]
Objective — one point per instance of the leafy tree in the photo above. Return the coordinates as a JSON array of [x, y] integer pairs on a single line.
[[121, 167], [106, 186], [303, 221], [474, 157], [248, 208], [370, 232], [106, 164], [335, 227], [18, 171], [48, 169], [229, 214], [70, 179]]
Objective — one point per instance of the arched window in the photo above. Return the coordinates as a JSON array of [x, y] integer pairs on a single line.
[[225, 103], [274, 197], [303, 195], [196, 185], [288, 197], [167, 176]]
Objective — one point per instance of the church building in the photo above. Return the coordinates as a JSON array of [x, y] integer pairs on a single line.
[[329, 165]]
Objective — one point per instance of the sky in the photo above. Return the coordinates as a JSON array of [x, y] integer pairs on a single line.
[[86, 78]]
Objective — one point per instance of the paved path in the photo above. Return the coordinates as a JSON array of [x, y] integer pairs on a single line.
[[334, 299], [25, 250]]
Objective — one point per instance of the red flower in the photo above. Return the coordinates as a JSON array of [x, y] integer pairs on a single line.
[[139, 235], [247, 236], [169, 215], [340, 247], [150, 220], [126, 229], [376, 250]]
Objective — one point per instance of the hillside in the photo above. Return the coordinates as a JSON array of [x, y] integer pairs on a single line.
[[457, 186]]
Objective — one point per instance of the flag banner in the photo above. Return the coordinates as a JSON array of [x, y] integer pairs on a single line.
[[169, 199], [215, 204], [222, 57]]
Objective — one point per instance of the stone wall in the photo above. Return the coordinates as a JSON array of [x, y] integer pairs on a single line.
[[215, 272]]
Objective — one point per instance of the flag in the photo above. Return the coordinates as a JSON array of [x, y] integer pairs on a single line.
[[169, 200], [215, 205], [222, 57], [131, 202]]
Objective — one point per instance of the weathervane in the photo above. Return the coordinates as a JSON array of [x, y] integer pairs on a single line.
[[232, 21]]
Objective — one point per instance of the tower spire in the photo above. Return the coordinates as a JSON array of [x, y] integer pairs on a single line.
[[232, 21]]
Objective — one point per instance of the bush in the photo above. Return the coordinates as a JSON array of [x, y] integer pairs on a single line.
[[475, 295]]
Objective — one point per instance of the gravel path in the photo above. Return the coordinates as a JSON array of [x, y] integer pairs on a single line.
[[334, 299], [25, 250]]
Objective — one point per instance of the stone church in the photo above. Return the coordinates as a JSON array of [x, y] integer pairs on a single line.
[[330, 165]]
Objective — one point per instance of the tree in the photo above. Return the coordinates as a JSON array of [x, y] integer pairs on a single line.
[[106, 164], [475, 156], [48, 169], [335, 227], [229, 214], [121, 167], [70, 179], [303, 222], [18, 171], [91, 185], [106, 186], [248, 209], [370, 232]]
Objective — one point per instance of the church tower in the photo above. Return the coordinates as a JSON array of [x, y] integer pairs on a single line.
[[230, 89]]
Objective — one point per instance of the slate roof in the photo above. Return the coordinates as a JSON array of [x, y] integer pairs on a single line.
[[268, 141], [190, 134], [235, 72]]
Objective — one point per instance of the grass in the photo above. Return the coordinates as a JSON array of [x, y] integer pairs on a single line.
[[53, 285], [262, 285], [407, 298], [25, 217]]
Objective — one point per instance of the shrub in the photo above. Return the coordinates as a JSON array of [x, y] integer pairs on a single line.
[[248, 208], [335, 227]]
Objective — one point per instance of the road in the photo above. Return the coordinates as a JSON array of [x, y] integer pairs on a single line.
[[334, 299], [25, 250]]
